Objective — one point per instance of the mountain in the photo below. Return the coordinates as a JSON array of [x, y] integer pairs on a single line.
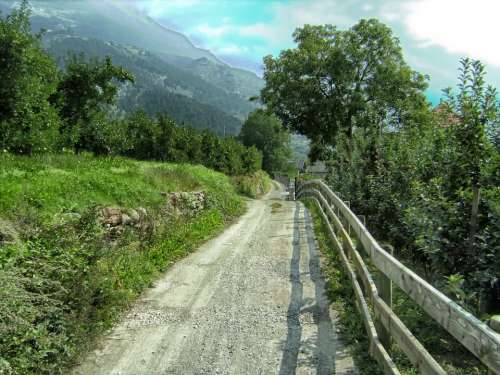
[[161, 87], [115, 20], [233, 80], [172, 75], [121, 22]]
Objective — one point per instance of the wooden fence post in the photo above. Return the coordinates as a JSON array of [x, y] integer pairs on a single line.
[[348, 203], [359, 245], [494, 324], [384, 286]]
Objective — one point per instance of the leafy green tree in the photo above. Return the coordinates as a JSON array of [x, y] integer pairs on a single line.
[[28, 123], [85, 91], [210, 145], [477, 109], [142, 134], [252, 159], [266, 133], [333, 79]]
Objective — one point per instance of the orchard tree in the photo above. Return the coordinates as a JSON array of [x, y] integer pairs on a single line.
[[324, 87], [267, 134], [86, 89], [28, 123], [477, 109]]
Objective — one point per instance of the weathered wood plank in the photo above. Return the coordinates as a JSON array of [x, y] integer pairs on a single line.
[[394, 327], [476, 336], [416, 353], [376, 348]]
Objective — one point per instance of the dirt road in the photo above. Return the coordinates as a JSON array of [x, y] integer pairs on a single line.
[[250, 301]]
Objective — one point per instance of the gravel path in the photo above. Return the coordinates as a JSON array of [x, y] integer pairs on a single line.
[[250, 301]]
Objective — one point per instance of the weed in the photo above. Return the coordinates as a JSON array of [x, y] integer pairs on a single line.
[[63, 280]]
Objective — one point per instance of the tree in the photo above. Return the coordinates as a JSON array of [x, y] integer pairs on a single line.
[[142, 133], [28, 123], [325, 87], [86, 89], [267, 134], [477, 109]]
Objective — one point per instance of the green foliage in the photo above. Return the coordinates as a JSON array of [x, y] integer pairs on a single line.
[[161, 139], [162, 87], [416, 187], [83, 94], [426, 179], [65, 279], [336, 80], [266, 133], [252, 185], [477, 108], [28, 123]]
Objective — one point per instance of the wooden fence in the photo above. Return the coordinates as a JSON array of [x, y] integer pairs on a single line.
[[384, 325]]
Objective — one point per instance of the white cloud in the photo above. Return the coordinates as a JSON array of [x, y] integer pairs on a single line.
[[295, 14], [230, 49], [212, 31], [156, 8], [459, 26]]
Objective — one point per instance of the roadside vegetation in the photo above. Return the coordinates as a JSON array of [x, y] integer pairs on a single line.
[[454, 358], [253, 185], [425, 178], [265, 132], [81, 237]]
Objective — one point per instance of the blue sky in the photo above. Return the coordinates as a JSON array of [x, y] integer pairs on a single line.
[[434, 34]]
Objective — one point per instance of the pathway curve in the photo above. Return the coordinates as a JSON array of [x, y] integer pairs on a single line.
[[250, 301]]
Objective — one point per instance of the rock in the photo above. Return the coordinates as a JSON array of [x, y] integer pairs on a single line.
[[134, 215], [142, 212], [495, 323], [114, 220], [185, 203], [111, 216], [126, 219], [72, 216], [8, 234]]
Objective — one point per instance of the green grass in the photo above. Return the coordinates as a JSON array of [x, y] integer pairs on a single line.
[[253, 185], [64, 279]]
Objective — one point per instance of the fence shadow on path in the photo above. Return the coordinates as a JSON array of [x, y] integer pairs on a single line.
[[318, 348]]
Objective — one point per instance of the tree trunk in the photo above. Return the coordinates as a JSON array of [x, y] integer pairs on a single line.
[[349, 141], [476, 197]]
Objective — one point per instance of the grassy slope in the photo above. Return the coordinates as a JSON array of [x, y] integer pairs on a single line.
[[450, 354], [253, 185], [63, 279]]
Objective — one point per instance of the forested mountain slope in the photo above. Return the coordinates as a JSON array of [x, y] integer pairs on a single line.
[[162, 87], [121, 22]]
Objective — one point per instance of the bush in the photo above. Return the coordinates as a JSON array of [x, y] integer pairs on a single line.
[[64, 276], [253, 185], [28, 123]]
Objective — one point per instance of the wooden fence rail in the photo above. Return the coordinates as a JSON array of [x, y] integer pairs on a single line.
[[476, 336]]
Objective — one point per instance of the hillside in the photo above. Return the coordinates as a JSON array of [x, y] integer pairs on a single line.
[[121, 22], [162, 87], [82, 236]]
